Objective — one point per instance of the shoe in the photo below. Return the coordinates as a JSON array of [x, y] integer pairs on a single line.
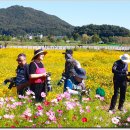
[[111, 110], [120, 108]]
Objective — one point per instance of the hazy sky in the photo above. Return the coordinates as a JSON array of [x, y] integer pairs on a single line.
[[81, 12]]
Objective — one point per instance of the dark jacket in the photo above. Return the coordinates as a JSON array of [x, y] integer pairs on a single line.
[[22, 74], [120, 70], [69, 65]]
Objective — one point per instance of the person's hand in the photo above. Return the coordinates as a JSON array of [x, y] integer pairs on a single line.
[[44, 74], [59, 83], [128, 74]]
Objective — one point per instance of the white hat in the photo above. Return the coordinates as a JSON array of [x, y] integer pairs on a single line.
[[125, 58]]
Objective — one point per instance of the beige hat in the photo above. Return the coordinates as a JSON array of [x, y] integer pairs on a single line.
[[39, 51], [125, 58]]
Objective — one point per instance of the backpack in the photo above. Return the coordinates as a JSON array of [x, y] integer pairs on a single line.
[[100, 91], [26, 69]]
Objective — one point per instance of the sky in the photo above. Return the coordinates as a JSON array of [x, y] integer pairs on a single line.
[[81, 12]]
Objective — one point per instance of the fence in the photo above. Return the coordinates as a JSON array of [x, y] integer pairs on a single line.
[[121, 48]]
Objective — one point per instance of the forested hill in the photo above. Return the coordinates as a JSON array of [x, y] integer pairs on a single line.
[[19, 20], [102, 30]]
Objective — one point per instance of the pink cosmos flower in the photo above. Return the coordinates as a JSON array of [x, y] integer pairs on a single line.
[[128, 119], [6, 116], [13, 106], [60, 111], [29, 100], [59, 98], [29, 92], [12, 99], [43, 94], [18, 103], [88, 110], [70, 105], [51, 115], [54, 101], [47, 122], [81, 111], [59, 126], [67, 95], [34, 126], [27, 114], [12, 126], [39, 113], [20, 96], [39, 108], [9, 116], [46, 103], [87, 107], [86, 99], [102, 98]]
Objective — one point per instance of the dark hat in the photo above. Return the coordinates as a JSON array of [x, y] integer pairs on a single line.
[[39, 51], [68, 51], [79, 72]]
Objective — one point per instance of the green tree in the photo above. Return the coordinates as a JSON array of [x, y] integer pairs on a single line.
[[65, 38], [76, 36], [96, 38], [85, 38]]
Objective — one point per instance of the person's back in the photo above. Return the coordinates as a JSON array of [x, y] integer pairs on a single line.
[[120, 70]]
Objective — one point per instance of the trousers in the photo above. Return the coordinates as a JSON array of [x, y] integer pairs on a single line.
[[120, 86]]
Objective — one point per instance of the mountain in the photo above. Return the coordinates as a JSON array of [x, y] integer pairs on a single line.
[[102, 30], [18, 20]]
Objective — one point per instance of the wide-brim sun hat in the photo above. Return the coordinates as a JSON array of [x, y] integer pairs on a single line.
[[79, 72], [68, 51], [38, 52], [125, 58]]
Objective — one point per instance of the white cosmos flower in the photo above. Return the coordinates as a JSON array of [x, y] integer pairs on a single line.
[[115, 120]]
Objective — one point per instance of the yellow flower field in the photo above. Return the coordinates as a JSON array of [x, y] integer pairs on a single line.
[[97, 64], [57, 111]]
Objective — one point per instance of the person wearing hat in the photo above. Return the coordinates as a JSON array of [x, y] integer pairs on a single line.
[[75, 84], [37, 74], [70, 63], [120, 70]]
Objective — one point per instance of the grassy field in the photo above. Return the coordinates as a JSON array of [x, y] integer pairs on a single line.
[[61, 110]]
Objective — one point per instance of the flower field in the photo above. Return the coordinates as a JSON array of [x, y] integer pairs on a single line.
[[61, 109]]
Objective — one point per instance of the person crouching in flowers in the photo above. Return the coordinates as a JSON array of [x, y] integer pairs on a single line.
[[37, 74], [75, 84]]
